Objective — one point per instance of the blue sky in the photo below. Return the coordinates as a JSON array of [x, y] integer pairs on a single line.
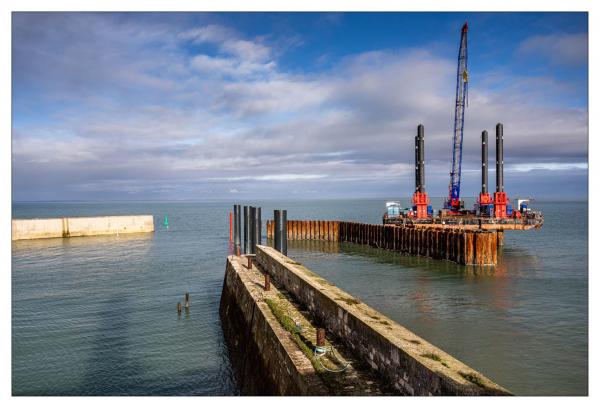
[[164, 106]]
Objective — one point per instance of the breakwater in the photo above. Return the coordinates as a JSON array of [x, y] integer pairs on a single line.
[[272, 357], [80, 226], [463, 246]]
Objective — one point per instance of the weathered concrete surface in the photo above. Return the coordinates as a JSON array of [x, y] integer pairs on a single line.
[[259, 352], [266, 359], [80, 226], [410, 364]]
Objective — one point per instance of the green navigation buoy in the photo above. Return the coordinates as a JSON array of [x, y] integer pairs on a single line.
[[166, 223]]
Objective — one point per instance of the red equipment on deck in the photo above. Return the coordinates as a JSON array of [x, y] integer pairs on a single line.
[[500, 202], [421, 201], [420, 198]]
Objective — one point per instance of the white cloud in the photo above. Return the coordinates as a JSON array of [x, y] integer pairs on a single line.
[[228, 41], [211, 33], [274, 177], [525, 167], [564, 49], [216, 66], [237, 119]]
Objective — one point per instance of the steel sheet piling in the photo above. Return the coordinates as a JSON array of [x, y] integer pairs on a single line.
[[468, 247]]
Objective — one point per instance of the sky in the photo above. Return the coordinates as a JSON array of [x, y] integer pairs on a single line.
[[232, 106]]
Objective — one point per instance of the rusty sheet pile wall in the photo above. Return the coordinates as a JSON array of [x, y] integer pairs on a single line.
[[467, 247]]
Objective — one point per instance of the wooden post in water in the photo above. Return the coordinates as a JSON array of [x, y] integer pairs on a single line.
[[187, 300]]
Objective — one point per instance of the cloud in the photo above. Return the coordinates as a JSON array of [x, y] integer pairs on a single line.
[[215, 66], [525, 167], [228, 42], [562, 49], [139, 113], [274, 177]]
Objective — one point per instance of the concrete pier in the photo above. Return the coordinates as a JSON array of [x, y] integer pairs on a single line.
[[80, 226], [272, 334], [463, 246]]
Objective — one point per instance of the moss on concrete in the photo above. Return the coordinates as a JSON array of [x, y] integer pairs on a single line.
[[472, 377], [288, 324], [432, 356], [349, 300]]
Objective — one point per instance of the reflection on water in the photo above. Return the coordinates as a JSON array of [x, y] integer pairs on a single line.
[[522, 323], [97, 315], [329, 247], [95, 240]]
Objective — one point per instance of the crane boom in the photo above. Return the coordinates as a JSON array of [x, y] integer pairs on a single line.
[[453, 203]]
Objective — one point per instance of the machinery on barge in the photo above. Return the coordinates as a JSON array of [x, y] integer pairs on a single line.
[[490, 211]]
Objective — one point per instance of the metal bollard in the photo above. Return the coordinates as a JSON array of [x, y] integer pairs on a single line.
[[320, 337]]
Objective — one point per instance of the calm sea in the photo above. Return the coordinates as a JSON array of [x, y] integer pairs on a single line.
[[97, 315]]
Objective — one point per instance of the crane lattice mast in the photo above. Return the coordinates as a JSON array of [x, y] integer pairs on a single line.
[[462, 80]]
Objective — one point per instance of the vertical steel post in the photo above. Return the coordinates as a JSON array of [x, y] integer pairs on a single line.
[[277, 230], [246, 229], [236, 228], [258, 227], [284, 232], [417, 187], [484, 162], [252, 232], [421, 136], [499, 158]]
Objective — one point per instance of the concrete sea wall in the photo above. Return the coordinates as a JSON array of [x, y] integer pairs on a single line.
[[80, 226], [409, 363], [463, 246], [265, 358], [267, 361]]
